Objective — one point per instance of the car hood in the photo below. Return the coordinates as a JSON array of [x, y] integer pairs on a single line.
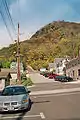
[[12, 98]]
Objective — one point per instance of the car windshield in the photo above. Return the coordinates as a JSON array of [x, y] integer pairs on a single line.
[[14, 91]]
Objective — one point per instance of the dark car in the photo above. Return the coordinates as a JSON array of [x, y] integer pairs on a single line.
[[63, 78]]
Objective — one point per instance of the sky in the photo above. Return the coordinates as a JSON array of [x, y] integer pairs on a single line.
[[33, 15]]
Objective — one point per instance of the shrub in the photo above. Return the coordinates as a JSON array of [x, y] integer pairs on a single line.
[[27, 81]]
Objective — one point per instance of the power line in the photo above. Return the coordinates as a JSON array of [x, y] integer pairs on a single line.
[[5, 12], [6, 25], [9, 15]]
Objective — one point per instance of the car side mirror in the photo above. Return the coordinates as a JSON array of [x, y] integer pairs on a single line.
[[28, 91]]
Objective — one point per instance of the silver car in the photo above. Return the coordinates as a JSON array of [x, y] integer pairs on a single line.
[[14, 98]]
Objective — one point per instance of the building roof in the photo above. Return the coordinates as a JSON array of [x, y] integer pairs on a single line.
[[8, 70], [4, 75], [57, 60]]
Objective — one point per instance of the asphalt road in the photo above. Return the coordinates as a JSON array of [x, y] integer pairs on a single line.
[[50, 107], [44, 83], [37, 78], [53, 86], [58, 106]]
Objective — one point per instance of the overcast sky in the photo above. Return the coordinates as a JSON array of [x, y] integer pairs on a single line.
[[34, 14]]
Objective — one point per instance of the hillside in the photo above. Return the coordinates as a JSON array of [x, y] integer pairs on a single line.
[[57, 39]]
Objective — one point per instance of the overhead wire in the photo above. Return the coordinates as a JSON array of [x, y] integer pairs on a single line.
[[9, 15], [6, 25], [5, 12]]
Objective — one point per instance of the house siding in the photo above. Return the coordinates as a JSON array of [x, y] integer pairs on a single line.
[[59, 65], [73, 69]]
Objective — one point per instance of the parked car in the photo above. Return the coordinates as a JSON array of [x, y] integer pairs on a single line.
[[14, 98], [52, 75], [46, 74], [63, 78], [42, 73]]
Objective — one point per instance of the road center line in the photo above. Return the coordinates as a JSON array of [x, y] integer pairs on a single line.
[[42, 115]]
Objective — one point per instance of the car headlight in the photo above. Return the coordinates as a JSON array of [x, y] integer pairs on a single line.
[[24, 101]]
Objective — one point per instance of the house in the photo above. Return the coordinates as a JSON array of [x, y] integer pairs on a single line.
[[51, 67], [60, 65], [73, 68], [4, 79], [14, 66], [13, 73]]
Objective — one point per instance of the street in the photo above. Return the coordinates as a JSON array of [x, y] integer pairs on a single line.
[[50, 107], [39, 60], [50, 101]]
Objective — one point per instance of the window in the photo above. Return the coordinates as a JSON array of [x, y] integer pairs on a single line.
[[14, 90]]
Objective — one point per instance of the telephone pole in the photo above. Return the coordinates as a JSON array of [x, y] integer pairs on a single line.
[[18, 57]]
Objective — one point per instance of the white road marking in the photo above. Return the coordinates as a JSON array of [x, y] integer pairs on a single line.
[[28, 116], [55, 91], [61, 94], [42, 115]]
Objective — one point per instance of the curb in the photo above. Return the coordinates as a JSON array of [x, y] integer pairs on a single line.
[[30, 86], [55, 91]]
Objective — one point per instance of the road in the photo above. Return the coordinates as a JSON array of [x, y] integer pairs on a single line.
[[57, 101], [43, 83], [50, 107], [37, 78]]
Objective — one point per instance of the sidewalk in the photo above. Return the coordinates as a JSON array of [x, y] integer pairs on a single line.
[[47, 92], [73, 82]]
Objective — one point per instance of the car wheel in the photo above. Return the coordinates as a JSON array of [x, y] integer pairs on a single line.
[[29, 105]]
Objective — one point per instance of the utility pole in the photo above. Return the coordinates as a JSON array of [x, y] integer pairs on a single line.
[[18, 58]]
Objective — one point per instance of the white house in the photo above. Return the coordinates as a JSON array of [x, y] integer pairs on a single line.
[[14, 66], [60, 65], [51, 67]]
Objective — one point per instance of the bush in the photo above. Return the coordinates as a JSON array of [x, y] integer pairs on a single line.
[[27, 81]]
